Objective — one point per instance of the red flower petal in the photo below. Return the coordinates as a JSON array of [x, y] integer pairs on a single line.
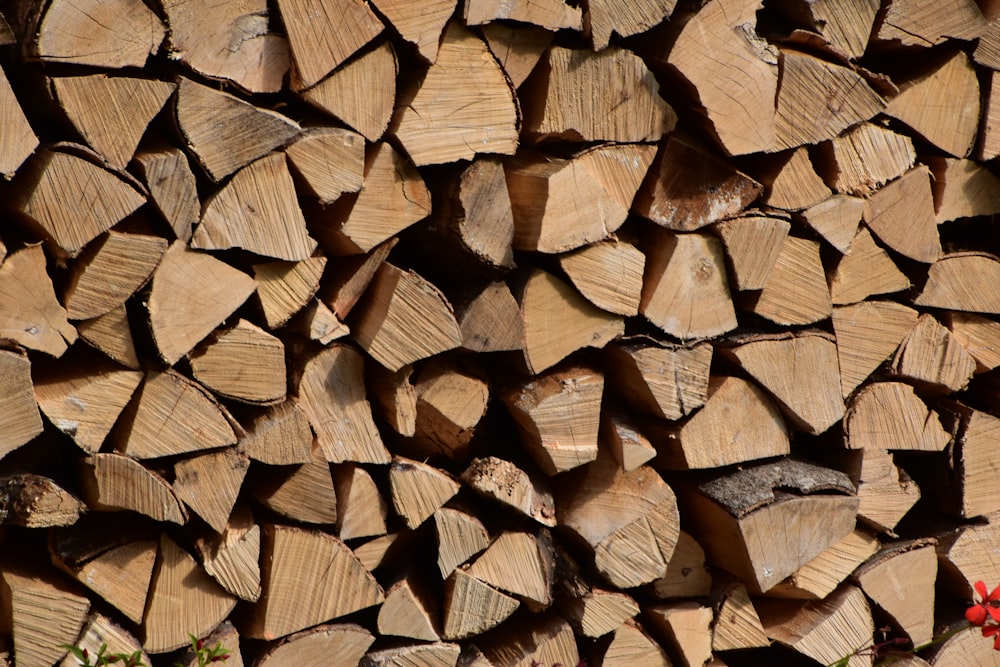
[[990, 630], [994, 613], [981, 589], [976, 615], [996, 643], [994, 596]]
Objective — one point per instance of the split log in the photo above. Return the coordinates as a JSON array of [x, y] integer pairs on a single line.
[[886, 492], [111, 113], [689, 187], [509, 485], [605, 96], [490, 320], [116, 34], [559, 415], [901, 215], [192, 294], [795, 292], [520, 564], [988, 146], [962, 189], [100, 630], [183, 601], [232, 557], [868, 156], [592, 611], [228, 42], [631, 645], [960, 649], [605, 17], [955, 282], [608, 274], [347, 641], [317, 322], [737, 625], [971, 490], [621, 437], [763, 534], [918, 23], [305, 493], [899, 580], [284, 288], [242, 362], [361, 509], [549, 14], [449, 402], [394, 398], [114, 483], [980, 336], [418, 490], [796, 185], [472, 606], [361, 93], [464, 106], [963, 556], [30, 315], [278, 436], [517, 47], [34, 501], [438, 654], [209, 484], [890, 415], [685, 627], [172, 186], [933, 359], [686, 574], [322, 36], [349, 277], [867, 334], [836, 219], [172, 415], [557, 321], [308, 577], [753, 243], [460, 536], [409, 611], [476, 212], [382, 551], [420, 25], [823, 574], [19, 139], [330, 162], [546, 638]]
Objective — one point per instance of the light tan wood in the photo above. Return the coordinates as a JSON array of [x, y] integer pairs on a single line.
[[559, 416], [256, 210], [736, 624], [890, 415], [592, 611], [438, 654], [192, 293], [621, 437], [116, 565], [324, 35], [608, 274], [51, 186], [545, 638], [111, 334], [686, 575], [737, 87], [824, 631], [172, 415], [167, 175], [690, 187], [304, 493], [685, 292], [101, 630], [979, 335], [229, 42], [628, 520], [836, 219], [42, 612], [404, 318], [962, 189], [225, 133], [347, 641], [317, 322], [504, 482], [922, 23], [605, 96], [685, 627], [362, 92], [460, 536], [955, 283], [361, 509], [309, 577], [490, 320], [737, 424], [964, 648], [753, 243], [901, 215], [420, 25], [989, 144], [631, 645], [35, 501], [795, 292], [331, 392], [409, 611], [557, 321], [83, 397], [624, 20], [549, 14], [183, 601], [120, 33], [823, 574], [476, 212], [663, 380], [242, 362], [520, 564], [471, 606], [900, 581], [418, 489], [763, 534], [864, 270], [517, 47], [209, 484], [394, 197], [942, 105], [114, 483], [932, 358], [379, 551], [971, 491], [111, 113], [797, 186], [30, 315], [349, 277], [279, 435], [450, 402], [846, 25], [21, 141], [800, 372], [394, 398], [329, 160], [232, 557], [868, 156], [963, 556], [887, 493], [284, 288]]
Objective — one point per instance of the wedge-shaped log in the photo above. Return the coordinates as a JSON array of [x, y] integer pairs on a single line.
[[419, 24], [464, 106], [955, 283], [120, 33], [965, 486], [606, 17], [592, 611], [608, 274], [521, 564], [890, 415], [867, 334], [546, 638], [621, 437], [865, 269], [868, 156], [490, 320], [279, 435], [172, 187], [901, 214], [438, 654], [632, 645], [472, 606], [35, 501], [899, 579], [449, 402], [409, 610], [763, 522], [504, 482], [753, 243], [116, 483], [347, 641], [243, 362], [823, 574], [933, 359], [963, 189], [795, 292], [517, 47], [923, 24], [210, 483], [685, 627], [330, 162], [687, 576], [737, 624], [796, 185], [349, 277], [549, 14], [309, 577], [559, 415], [836, 219], [304, 493], [30, 315], [460, 536], [418, 489], [476, 213], [361, 509], [886, 492], [232, 557], [284, 288], [19, 139]]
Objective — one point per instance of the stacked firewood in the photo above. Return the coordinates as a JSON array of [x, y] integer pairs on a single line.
[[498, 333]]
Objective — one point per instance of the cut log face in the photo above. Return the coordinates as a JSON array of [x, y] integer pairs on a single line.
[[278, 436], [116, 34], [795, 291], [663, 380], [919, 23], [506, 483], [232, 557], [836, 219], [420, 25], [736, 623], [900, 581], [976, 490], [330, 160], [631, 645], [112, 335], [443, 122], [520, 564], [901, 214], [477, 212], [408, 612], [395, 399], [243, 362], [885, 490], [989, 146], [932, 358], [210, 483], [823, 574], [284, 288], [418, 490], [438, 654], [491, 320], [30, 315], [737, 87], [796, 185], [305, 493], [955, 283], [172, 187], [460, 536], [34, 501], [607, 17], [549, 14], [113, 483], [753, 243], [19, 139], [449, 406], [472, 606], [621, 437], [685, 627], [546, 638], [517, 47], [869, 156], [864, 270], [608, 274], [686, 574], [361, 509], [963, 189], [347, 641], [560, 99]]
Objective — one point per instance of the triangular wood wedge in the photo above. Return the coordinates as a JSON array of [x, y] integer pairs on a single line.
[[243, 362], [202, 37], [278, 436], [955, 282], [490, 320], [504, 482], [517, 47], [933, 359], [584, 96], [836, 219], [172, 415], [225, 133], [420, 25], [450, 403], [472, 606], [520, 564], [867, 334], [418, 489], [256, 210], [621, 437], [631, 645], [559, 416], [111, 334], [330, 161], [899, 580], [232, 557], [963, 189], [685, 628], [546, 638], [753, 243], [797, 185], [284, 288], [687, 576], [35, 501], [736, 622], [114, 483], [438, 654], [821, 576], [901, 214], [304, 493], [183, 601], [989, 145], [209, 484], [460, 536], [549, 14], [795, 292], [308, 577], [361, 93], [738, 85], [192, 294], [970, 489], [347, 641], [111, 113], [476, 213], [594, 612], [886, 492], [173, 189], [408, 611], [868, 156], [19, 139], [923, 24], [101, 630], [800, 371], [361, 509], [865, 269], [890, 415], [667, 381], [393, 397], [608, 274], [30, 315], [605, 17], [111, 34]]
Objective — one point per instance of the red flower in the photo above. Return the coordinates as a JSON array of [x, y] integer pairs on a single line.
[[993, 631], [978, 612]]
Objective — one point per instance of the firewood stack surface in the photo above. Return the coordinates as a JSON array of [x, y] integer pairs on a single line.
[[498, 333]]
